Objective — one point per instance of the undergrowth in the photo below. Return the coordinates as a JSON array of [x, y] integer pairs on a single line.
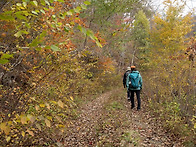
[[172, 120]]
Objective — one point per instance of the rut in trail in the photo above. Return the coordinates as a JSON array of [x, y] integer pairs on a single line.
[[81, 132], [109, 121]]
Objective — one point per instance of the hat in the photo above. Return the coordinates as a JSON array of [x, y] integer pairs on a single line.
[[132, 66], [128, 68]]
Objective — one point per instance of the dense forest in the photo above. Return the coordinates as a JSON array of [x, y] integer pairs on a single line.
[[56, 55]]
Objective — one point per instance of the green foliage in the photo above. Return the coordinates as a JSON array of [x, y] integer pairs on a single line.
[[36, 110], [5, 58], [115, 106], [141, 29], [46, 108], [30, 19], [47, 67], [140, 36], [170, 90], [111, 20]]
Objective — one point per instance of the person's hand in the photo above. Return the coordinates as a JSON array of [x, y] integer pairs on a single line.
[[141, 89]]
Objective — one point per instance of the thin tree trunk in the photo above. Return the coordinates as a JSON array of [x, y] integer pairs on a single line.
[[133, 57]]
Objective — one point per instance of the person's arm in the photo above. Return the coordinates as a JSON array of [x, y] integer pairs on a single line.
[[140, 81], [127, 82], [124, 80]]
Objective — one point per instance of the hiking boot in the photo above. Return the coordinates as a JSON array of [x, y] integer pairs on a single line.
[[128, 99], [132, 107]]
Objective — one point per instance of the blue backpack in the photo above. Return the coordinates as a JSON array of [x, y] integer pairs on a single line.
[[134, 79]]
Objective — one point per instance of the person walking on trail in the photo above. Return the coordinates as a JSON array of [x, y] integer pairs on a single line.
[[134, 85], [128, 71]]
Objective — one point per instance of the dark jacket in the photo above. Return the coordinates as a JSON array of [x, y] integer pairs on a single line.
[[125, 77]]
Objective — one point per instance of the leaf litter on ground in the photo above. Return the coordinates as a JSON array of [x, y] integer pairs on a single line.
[[108, 120]]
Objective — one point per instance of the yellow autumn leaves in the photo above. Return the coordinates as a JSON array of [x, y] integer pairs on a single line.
[[30, 120]]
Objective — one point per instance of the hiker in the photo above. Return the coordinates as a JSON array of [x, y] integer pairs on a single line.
[[134, 85], [128, 71]]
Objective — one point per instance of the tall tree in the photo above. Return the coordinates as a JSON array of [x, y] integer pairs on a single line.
[[170, 72], [111, 20], [38, 67], [140, 33]]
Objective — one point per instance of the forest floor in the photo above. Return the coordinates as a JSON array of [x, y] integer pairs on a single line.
[[109, 121]]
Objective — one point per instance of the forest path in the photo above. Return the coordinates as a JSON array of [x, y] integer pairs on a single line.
[[81, 132], [109, 121]]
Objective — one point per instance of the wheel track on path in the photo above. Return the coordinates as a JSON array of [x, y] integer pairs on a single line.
[[80, 134]]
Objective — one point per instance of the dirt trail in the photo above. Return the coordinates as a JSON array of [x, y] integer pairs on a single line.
[[80, 132], [142, 130], [150, 132]]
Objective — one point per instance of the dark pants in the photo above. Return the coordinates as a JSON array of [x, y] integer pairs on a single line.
[[128, 94], [138, 98]]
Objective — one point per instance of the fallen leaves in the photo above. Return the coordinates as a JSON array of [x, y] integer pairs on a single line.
[[99, 126], [5, 128], [30, 132], [48, 124]]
